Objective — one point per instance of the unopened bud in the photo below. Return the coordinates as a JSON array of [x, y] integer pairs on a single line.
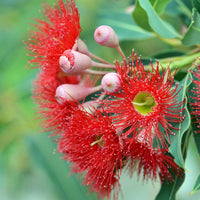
[[106, 36], [74, 62], [111, 82], [82, 47], [72, 92]]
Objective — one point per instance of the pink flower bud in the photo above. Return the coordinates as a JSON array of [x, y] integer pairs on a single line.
[[82, 47], [106, 36], [72, 92], [74, 62], [111, 82]]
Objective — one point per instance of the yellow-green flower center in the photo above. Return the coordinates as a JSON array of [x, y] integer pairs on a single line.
[[98, 140], [144, 103]]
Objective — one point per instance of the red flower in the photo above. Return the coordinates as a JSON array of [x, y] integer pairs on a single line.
[[151, 162], [57, 32], [147, 100], [91, 143], [196, 97]]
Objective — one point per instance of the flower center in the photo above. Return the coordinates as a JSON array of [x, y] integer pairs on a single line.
[[144, 103], [98, 140]]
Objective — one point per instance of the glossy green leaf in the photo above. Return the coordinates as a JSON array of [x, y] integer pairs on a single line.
[[146, 16], [140, 17], [179, 143], [194, 124], [159, 5], [192, 35], [124, 26], [176, 140], [196, 187], [168, 190], [196, 137]]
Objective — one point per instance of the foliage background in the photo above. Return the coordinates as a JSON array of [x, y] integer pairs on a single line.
[[29, 168]]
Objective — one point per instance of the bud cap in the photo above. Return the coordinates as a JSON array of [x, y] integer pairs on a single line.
[[106, 36], [111, 82], [74, 62]]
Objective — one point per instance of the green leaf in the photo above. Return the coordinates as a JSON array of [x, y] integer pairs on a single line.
[[194, 124], [57, 170], [196, 185], [140, 17], [179, 144], [159, 5], [196, 4], [123, 25], [176, 140], [183, 7], [146, 16], [192, 35], [196, 137], [168, 190]]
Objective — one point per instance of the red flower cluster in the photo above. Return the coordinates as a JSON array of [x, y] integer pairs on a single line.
[[128, 125]]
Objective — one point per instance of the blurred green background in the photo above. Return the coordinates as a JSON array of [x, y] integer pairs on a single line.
[[29, 168]]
